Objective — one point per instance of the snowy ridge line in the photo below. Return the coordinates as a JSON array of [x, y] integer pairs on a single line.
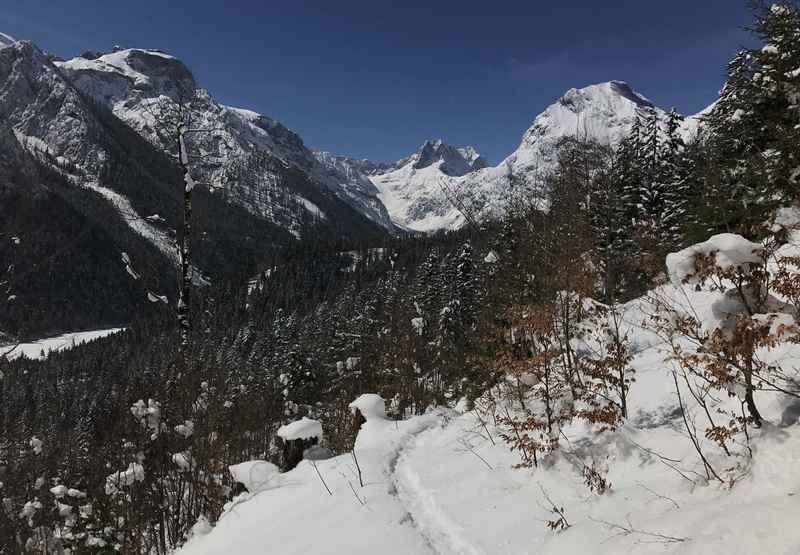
[[125, 209], [123, 206], [142, 227]]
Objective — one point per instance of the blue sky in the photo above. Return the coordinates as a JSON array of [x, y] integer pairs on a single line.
[[374, 79]]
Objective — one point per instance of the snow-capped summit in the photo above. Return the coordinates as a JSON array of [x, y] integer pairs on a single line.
[[452, 161], [5, 40], [411, 189], [603, 112], [128, 75], [415, 190]]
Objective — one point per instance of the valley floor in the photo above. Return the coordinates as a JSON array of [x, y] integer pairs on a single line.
[[42, 347]]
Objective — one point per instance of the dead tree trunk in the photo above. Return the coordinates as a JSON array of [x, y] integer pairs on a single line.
[[184, 244]]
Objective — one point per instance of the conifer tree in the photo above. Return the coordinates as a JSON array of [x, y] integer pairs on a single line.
[[755, 126]]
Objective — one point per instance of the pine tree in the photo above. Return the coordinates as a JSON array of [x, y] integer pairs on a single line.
[[755, 126], [674, 180]]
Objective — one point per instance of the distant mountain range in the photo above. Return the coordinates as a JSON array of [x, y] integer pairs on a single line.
[[77, 141], [412, 188]]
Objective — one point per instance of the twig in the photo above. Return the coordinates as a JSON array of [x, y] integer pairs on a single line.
[[314, 464], [363, 502], [355, 459], [692, 435], [658, 495], [628, 530], [469, 448], [561, 523], [489, 435]]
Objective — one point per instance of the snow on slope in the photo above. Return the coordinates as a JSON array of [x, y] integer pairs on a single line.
[[5, 40], [444, 483], [413, 193], [34, 349], [604, 112]]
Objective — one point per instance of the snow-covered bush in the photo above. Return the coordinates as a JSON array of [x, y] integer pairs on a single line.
[[748, 305], [747, 314]]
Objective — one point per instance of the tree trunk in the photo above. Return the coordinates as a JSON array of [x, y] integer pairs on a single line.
[[184, 248]]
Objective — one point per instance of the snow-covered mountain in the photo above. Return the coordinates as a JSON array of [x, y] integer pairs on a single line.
[[129, 81], [77, 150], [413, 189]]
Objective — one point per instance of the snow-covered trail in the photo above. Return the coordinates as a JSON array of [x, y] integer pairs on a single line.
[[444, 536], [293, 513]]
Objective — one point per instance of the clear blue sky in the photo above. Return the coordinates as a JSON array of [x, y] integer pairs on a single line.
[[374, 79]]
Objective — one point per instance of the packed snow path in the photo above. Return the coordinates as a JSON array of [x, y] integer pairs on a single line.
[[292, 513], [443, 535]]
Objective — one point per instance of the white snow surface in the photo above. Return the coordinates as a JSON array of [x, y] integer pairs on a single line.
[[34, 349], [445, 483], [254, 475], [305, 428], [371, 406], [728, 249]]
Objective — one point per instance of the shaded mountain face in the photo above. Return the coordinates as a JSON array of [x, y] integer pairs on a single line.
[[258, 150], [78, 150]]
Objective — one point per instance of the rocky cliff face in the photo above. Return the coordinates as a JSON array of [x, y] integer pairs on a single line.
[[80, 160], [131, 81]]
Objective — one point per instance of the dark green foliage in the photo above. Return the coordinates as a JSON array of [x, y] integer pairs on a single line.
[[754, 129]]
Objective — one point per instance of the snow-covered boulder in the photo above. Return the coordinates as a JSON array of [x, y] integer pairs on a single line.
[[254, 475], [305, 428], [370, 405]]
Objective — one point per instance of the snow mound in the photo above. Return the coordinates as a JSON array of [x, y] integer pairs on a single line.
[[255, 475], [728, 250], [372, 406], [296, 513], [305, 428]]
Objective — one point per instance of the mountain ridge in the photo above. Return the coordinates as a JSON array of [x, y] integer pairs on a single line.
[[415, 189]]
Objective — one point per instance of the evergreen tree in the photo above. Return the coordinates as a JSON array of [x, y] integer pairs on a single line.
[[755, 126]]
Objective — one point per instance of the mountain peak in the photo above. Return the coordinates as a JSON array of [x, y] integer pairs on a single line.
[[453, 161], [608, 94], [130, 71]]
